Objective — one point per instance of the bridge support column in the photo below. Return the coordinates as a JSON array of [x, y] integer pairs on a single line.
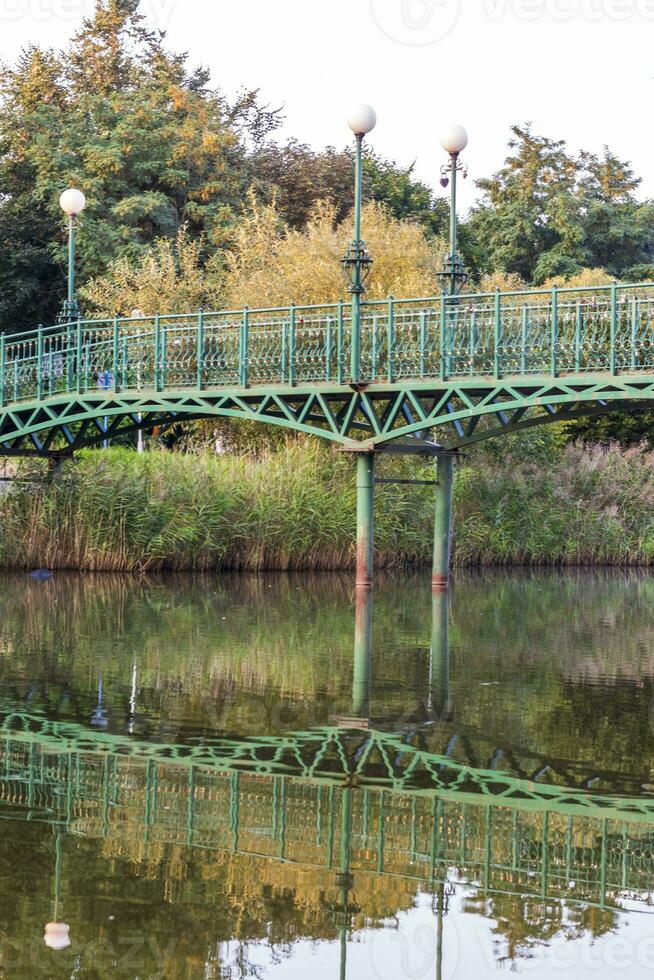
[[443, 523], [362, 654], [365, 519]]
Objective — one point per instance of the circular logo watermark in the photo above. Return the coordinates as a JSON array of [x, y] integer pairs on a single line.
[[411, 951], [415, 22]]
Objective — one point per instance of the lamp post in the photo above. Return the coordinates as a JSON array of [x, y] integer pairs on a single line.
[[72, 203], [361, 120], [455, 140], [453, 278]]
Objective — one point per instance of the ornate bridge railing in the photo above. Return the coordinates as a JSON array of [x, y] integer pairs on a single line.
[[607, 329], [285, 799]]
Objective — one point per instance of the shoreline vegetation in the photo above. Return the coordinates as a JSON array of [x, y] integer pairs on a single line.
[[292, 508]]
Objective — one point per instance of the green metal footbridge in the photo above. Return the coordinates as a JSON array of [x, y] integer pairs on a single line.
[[429, 375]]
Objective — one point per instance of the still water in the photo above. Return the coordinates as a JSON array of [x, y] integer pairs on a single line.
[[256, 778]]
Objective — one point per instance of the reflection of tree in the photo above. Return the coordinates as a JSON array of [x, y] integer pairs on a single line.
[[523, 924]]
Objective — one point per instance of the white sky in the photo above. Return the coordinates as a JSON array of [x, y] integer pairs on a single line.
[[581, 70]]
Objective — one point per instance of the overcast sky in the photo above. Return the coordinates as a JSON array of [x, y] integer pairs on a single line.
[[580, 70]]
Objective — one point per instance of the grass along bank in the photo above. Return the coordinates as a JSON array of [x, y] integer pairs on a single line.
[[294, 508]]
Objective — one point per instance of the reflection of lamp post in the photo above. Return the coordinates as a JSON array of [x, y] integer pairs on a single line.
[[344, 909], [72, 203], [99, 717], [455, 140], [57, 934], [362, 120], [132, 700]]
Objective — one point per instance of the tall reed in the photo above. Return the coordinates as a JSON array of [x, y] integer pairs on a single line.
[[294, 508]]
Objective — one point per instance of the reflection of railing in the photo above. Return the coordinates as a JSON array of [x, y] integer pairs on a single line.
[[538, 332], [413, 816]]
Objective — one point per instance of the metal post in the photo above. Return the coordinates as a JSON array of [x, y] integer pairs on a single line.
[[71, 264], [365, 519], [454, 287], [362, 654], [357, 287], [199, 354], [443, 522], [614, 329], [3, 370]]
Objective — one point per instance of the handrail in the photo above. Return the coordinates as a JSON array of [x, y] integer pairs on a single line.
[[534, 332]]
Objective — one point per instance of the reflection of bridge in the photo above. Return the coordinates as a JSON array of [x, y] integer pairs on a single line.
[[409, 813], [464, 367]]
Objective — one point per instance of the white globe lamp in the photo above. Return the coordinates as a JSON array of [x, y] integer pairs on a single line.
[[362, 119], [57, 936], [454, 139], [72, 202]]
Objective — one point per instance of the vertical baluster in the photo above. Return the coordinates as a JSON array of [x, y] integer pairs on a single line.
[[635, 323], [157, 353], [292, 340], [374, 352], [579, 331], [443, 372], [243, 348], [199, 352], [284, 361], [39, 361], [472, 354], [163, 348], [614, 329], [115, 367], [3, 370], [341, 340], [423, 343], [78, 355], [328, 349], [17, 358], [390, 323], [497, 334], [554, 333], [524, 338], [70, 364]]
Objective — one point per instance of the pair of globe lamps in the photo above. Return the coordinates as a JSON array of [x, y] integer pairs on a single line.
[[363, 119]]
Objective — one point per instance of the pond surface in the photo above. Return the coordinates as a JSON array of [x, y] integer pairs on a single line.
[[239, 777]]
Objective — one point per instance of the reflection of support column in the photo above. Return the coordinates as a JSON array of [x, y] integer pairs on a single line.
[[365, 519], [362, 654], [439, 671], [443, 522]]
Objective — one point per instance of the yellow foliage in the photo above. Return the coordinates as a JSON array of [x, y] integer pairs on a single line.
[[504, 281], [270, 265], [582, 279], [169, 278]]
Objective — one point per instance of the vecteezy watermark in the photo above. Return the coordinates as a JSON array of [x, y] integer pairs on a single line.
[[423, 22], [411, 952], [415, 22], [567, 10], [156, 12]]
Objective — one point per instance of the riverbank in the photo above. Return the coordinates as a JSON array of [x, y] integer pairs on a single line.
[[294, 508]]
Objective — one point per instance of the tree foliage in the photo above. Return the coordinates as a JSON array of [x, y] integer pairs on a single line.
[[548, 214]]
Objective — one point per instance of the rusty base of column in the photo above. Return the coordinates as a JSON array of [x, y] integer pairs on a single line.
[[440, 584], [365, 584]]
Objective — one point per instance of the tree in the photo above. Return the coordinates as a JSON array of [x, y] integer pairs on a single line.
[[297, 178], [547, 214], [151, 145]]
